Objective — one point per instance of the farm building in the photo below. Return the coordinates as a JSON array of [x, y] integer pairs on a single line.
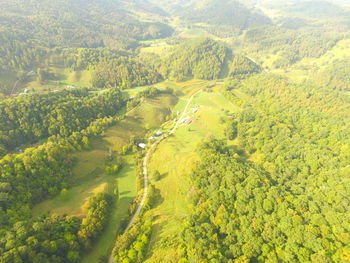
[[142, 145], [159, 133]]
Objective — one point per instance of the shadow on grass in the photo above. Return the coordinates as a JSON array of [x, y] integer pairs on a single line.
[[125, 170], [124, 193]]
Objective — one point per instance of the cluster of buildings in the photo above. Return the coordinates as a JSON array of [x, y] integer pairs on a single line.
[[157, 134]]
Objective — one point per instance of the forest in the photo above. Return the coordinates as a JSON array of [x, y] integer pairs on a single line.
[[290, 203], [50, 114], [202, 59]]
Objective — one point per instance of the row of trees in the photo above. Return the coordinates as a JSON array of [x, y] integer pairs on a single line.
[[132, 245], [99, 207]]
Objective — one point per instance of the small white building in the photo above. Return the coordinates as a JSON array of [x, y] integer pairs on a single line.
[[151, 138], [159, 133], [142, 145], [24, 92]]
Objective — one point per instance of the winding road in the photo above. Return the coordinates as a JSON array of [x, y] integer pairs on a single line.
[[145, 170]]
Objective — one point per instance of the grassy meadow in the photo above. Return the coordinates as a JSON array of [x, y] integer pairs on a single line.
[[174, 159]]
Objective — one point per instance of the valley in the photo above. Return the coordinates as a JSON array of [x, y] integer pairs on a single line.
[[174, 131]]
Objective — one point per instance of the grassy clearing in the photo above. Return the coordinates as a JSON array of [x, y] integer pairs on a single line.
[[88, 178], [63, 77], [159, 49], [174, 159]]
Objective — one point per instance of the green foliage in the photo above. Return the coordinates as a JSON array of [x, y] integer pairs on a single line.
[[99, 207], [284, 206], [201, 59], [242, 65], [123, 72], [336, 76], [217, 13], [243, 212], [291, 45], [77, 24], [132, 246], [231, 130], [27, 119], [45, 240]]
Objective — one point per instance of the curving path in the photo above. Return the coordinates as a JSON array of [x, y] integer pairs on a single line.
[[145, 170]]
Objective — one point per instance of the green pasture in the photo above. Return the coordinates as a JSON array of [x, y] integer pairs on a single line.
[[174, 158]]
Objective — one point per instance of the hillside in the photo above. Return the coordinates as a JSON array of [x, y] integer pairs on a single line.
[[215, 12], [78, 23], [200, 58]]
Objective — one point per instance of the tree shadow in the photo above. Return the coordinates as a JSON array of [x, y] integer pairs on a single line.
[[124, 171], [157, 198]]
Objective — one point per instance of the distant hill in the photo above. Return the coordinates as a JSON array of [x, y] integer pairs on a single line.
[[79, 23], [317, 8], [216, 12]]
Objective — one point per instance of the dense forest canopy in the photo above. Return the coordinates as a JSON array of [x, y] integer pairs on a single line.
[[88, 23], [27, 119], [202, 59], [293, 199]]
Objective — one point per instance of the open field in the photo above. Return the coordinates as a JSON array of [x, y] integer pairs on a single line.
[[174, 159], [63, 77]]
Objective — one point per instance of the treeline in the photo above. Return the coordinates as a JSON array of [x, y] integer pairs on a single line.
[[99, 207], [27, 119], [335, 76], [219, 13], [132, 245], [242, 213], [18, 55], [205, 59]]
